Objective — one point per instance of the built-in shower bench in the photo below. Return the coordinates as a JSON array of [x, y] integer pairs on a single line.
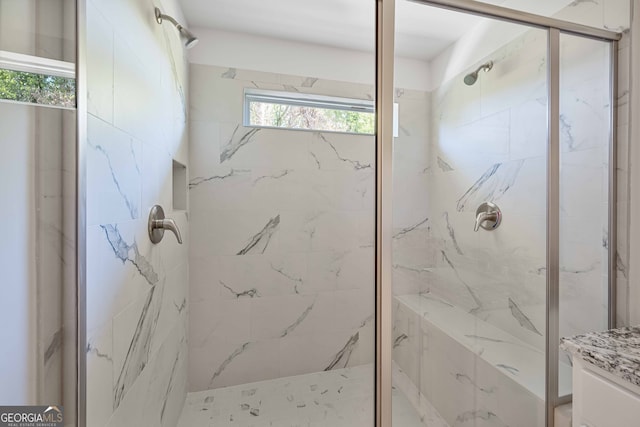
[[468, 368]]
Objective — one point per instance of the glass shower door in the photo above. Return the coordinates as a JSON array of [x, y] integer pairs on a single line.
[[586, 157], [469, 243]]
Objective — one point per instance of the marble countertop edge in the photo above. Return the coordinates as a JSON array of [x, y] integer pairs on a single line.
[[616, 351]]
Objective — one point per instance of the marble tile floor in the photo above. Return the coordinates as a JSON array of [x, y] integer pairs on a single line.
[[338, 398]]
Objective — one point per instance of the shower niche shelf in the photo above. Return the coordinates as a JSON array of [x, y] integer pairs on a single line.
[[179, 186]]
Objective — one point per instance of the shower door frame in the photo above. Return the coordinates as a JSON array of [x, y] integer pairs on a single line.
[[80, 402], [385, 28]]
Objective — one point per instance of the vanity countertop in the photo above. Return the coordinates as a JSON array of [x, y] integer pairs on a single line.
[[617, 351]]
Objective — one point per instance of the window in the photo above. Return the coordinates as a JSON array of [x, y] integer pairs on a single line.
[[35, 80], [37, 88], [290, 110]]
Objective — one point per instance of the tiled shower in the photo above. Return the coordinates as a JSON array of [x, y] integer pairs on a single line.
[[282, 237], [265, 314]]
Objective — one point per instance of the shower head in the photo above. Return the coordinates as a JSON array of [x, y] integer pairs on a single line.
[[189, 39], [471, 78]]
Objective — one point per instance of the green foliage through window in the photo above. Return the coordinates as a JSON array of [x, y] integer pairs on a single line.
[[310, 118], [37, 88]]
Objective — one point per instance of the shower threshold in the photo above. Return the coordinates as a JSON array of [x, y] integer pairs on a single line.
[[337, 398]]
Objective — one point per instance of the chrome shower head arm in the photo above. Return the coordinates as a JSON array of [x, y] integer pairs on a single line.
[[161, 17], [190, 41], [487, 66]]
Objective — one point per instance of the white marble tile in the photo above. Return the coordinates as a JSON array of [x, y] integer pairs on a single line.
[[237, 232], [456, 104], [411, 151], [412, 110], [134, 329], [135, 92], [411, 206], [99, 65], [482, 142], [582, 60], [262, 275], [337, 190], [585, 115], [136, 293], [216, 98], [213, 319], [583, 297], [488, 371], [242, 362], [113, 278], [321, 231], [157, 185], [277, 317], [219, 189], [357, 270], [509, 403], [157, 396], [204, 143], [171, 253], [285, 190], [247, 148], [453, 375], [415, 404], [168, 380], [113, 166], [515, 80], [336, 151], [325, 269], [339, 398], [407, 340], [578, 199], [529, 134], [489, 342], [323, 350], [100, 374], [174, 306]]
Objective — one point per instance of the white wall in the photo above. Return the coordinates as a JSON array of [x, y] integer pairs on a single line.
[[35, 250], [17, 257], [249, 52]]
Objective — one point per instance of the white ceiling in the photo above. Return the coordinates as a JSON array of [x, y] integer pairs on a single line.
[[421, 32]]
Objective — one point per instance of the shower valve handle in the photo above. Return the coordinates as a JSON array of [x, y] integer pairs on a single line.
[[488, 216], [158, 224]]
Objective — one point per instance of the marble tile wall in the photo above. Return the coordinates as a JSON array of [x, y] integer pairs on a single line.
[[623, 175], [487, 142], [281, 256], [465, 371], [137, 292]]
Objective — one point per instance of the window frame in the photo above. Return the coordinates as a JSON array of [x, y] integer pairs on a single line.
[[298, 99], [36, 65]]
